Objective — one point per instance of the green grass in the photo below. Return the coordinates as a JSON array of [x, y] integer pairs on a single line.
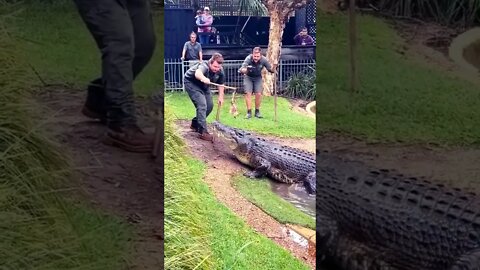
[[40, 228], [260, 194], [200, 231], [60, 48], [400, 100], [186, 237], [290, 123]]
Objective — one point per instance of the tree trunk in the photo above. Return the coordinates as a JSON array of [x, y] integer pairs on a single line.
[[279, 11], [277, 24]]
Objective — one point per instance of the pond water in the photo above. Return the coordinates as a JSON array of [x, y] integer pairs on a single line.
[[471, 54], [296, 195], [465, 50]]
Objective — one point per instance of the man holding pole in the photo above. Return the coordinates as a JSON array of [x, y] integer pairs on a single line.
[[252, 69], [197, 81]]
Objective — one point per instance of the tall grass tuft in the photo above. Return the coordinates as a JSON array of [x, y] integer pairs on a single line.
[[39, 228], [186, 244]]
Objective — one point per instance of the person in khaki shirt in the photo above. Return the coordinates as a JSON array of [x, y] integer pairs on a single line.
[[252, 79]]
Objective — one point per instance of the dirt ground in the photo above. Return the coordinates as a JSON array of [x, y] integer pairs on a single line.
[[221, 167], [121, 183]]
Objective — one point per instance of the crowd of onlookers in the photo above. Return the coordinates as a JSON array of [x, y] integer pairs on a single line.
[[205, 31]]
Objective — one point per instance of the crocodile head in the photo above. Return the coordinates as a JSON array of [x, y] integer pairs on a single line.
[[238, 140]]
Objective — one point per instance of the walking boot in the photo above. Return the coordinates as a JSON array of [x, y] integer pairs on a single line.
[[130, 138], [194, 125], [206, 136], [94, 106], [257, 113], [249, 114]]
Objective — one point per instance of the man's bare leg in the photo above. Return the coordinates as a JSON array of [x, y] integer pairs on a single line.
[[248, 102], [258, 102]]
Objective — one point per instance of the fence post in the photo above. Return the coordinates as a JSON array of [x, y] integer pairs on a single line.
[[280, 78], [181, 77]]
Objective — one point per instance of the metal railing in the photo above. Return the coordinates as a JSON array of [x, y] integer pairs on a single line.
[[176, 68]]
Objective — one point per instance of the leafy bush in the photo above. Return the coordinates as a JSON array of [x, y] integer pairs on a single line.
[[302, 86]]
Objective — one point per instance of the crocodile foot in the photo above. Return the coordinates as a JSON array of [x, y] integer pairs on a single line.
[[252, 174]]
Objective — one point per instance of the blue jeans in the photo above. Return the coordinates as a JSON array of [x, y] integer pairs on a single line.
[[204, 38]]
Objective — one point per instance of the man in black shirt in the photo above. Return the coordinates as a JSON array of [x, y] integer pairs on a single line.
[[197, 80], [252, 81]]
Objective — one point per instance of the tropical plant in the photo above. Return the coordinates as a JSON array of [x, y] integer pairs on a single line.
[[302, 86]]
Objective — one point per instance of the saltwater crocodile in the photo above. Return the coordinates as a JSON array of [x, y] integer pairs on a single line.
[[282, 163], [379, 220]]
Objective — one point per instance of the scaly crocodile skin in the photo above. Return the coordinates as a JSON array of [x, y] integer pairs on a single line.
[[377, 219], [282, 163]]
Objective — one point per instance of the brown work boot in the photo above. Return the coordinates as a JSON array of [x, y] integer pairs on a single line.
[[131, 138], [93, 114], [194, 126], [206, 136]]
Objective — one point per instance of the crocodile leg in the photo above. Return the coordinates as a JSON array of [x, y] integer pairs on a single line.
[[343, 252], [469, 261], [353, 255], [261, 166], [310, 183]]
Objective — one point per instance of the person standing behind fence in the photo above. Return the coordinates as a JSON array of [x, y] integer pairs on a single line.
[[303, 38], [204, 26], [192, 50], [199, 17], [197, 80], [252, 79]]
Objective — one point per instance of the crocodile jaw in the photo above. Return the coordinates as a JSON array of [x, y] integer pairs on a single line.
[[227, 134], [242, 156]]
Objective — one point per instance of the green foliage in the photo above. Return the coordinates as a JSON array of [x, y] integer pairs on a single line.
[[400, 100], [301, 86], [186, 240]]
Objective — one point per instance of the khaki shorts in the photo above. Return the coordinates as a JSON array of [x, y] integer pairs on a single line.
[[252, 84]]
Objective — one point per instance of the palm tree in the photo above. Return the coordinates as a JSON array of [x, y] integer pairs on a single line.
[[279, 11]]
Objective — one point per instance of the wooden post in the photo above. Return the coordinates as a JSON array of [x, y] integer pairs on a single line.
[[353, 47], [275, 96]]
